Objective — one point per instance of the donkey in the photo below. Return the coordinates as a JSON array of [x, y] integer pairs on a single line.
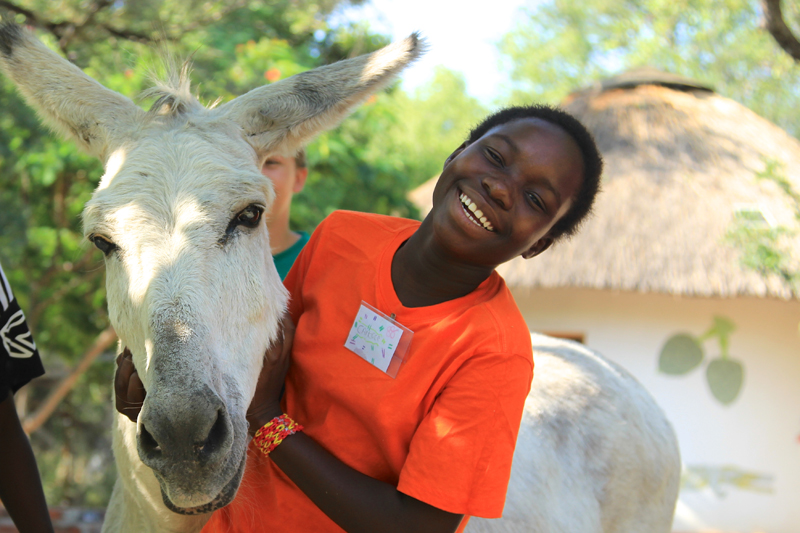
[[192, 289], [595, 453]]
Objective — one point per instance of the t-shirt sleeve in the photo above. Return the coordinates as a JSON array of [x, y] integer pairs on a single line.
[[19, 358], [460, 456]]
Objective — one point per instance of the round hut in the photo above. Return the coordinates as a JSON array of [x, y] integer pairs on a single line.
[[684, 275]]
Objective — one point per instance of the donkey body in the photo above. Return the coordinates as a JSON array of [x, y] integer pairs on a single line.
[[595, 453], [192, 289]]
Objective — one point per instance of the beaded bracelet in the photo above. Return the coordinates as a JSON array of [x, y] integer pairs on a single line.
[[273, 432]]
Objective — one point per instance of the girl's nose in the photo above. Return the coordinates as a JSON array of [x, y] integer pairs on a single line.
[[498, 191]]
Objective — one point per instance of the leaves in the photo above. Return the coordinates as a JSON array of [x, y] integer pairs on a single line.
[[721, 329], [683, 352], [680, 355], [725, 378]]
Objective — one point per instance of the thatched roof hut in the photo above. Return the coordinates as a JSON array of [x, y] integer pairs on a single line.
[[685, 169]]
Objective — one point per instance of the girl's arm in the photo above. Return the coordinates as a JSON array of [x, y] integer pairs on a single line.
[[356, 502], [20, 486]]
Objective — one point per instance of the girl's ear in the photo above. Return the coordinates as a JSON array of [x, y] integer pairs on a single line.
[[455, 153], [538, 247]]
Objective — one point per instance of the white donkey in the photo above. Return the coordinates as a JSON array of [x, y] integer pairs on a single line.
[[595, 453], [192, 289]]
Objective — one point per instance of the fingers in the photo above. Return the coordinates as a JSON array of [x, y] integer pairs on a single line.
[[275, 349], [266, 398], [129, 391], [282, 346], [124, 370], [288, 332], [136, 392]]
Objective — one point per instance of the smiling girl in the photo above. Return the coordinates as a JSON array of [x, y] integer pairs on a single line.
[[418, 436]]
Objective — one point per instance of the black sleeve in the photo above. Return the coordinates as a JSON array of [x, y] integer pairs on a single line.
[[19, 358]]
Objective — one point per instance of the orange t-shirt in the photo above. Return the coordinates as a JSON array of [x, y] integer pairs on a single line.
[[443, 431]]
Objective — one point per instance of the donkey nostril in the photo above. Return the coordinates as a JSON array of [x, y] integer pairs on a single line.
[[215, 439], [148, 442]]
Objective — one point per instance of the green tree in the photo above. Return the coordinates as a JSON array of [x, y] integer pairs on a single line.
[[561, 46]]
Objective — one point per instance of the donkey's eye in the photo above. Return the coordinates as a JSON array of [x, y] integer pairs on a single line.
[[102, 243], [250, 216]]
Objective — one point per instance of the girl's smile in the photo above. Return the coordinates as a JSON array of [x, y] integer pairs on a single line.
[[473, 212]]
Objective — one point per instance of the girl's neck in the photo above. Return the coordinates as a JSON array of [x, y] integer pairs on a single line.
[[423, 274]]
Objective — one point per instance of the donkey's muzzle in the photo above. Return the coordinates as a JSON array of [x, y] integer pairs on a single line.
[[182, 436]]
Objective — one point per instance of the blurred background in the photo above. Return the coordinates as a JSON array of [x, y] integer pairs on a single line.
[[687, 275]]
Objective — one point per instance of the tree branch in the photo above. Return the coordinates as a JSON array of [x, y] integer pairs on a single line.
[[780, 31], [35, 421], [56, 28], [66, 31], [129, 35]]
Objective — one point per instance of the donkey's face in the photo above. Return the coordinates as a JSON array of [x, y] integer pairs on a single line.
[[192, 289], [192, 292]]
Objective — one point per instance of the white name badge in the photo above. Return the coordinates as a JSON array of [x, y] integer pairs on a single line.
[[378, 339]]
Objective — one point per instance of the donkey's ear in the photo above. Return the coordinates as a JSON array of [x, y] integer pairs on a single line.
[[69, 101], [286, 114]]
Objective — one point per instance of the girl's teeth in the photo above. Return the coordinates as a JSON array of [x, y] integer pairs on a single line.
[[473, 207]]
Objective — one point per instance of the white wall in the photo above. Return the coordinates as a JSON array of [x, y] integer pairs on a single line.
[[758, 433]]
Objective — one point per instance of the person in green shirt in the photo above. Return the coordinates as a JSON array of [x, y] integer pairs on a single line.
[[288, 176]]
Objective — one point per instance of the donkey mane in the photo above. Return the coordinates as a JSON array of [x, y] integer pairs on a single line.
[[172, 92]]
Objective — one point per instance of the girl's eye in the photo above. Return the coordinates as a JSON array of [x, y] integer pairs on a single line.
[[535, 200], [249, 217], [103, 244], [495, 156]]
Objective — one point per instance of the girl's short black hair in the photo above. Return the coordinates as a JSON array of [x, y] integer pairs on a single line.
[[592, 161]]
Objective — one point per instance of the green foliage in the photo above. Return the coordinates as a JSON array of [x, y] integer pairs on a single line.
[[561, 46], [764, 247], [774, 172], [683, 352], [347, 173], [435, 120]]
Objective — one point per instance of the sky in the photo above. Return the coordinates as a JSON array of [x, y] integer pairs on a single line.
[[461, 35]]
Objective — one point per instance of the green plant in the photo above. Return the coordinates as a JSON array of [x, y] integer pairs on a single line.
[[683, 352]]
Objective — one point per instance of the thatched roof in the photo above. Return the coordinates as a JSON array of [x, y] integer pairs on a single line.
[[682, 169]]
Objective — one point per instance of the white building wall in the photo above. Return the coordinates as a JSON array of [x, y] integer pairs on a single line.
[[758, 433]]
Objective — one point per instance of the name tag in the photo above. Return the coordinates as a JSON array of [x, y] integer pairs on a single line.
[[378, 339]]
